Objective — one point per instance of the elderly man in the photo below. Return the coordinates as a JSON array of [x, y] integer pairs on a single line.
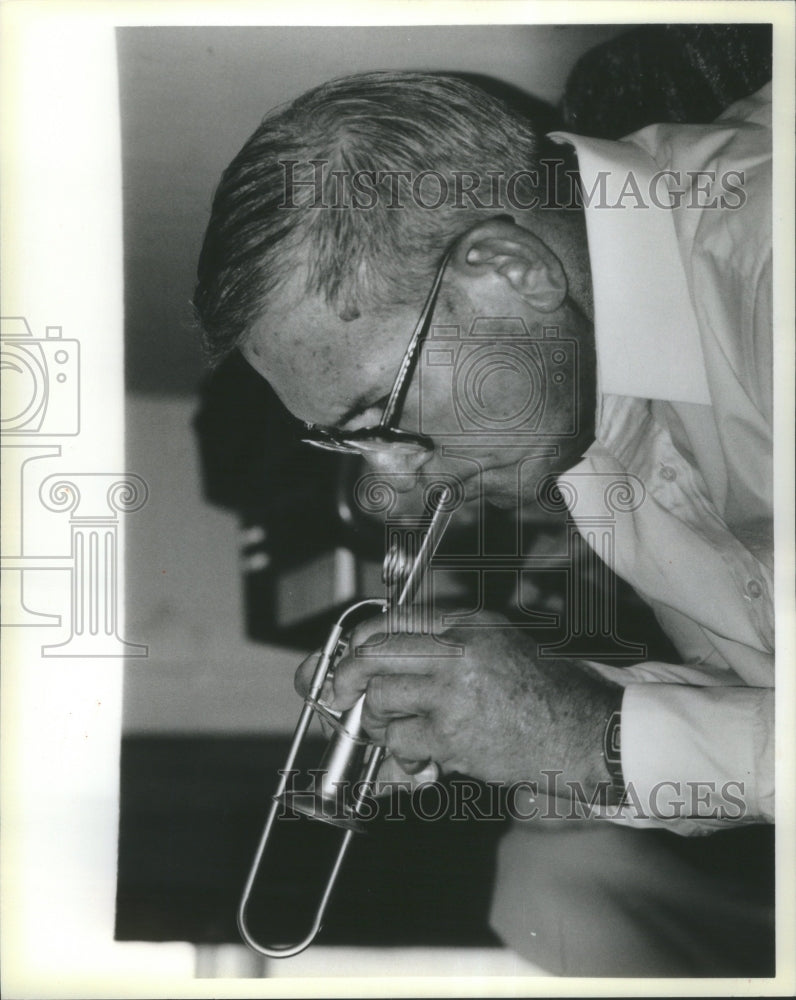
[[327, 232]]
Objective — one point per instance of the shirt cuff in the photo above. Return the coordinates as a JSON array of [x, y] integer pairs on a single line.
[[696, 759]]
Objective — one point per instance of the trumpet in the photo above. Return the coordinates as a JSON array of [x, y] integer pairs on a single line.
[[351, 761]]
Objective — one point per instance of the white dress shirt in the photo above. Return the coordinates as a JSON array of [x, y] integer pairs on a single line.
[[683, 328]]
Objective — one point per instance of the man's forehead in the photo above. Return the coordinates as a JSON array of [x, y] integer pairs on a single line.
[[319, 364]]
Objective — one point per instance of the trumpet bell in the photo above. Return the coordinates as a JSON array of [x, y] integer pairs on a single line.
[[330, 799], [319, 807]]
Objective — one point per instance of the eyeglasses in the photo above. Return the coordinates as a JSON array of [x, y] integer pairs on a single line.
[[384, 437]]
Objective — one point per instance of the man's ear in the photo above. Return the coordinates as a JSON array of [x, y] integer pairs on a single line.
[[501, 250]]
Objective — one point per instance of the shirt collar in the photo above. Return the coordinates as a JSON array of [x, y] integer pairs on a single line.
[[646, 333]]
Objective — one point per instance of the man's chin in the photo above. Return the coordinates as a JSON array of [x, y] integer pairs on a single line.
[[501, 491], [497, 487], [503, 501]]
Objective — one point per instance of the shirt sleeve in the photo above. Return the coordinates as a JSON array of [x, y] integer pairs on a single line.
[[697, 758], [697, 755]]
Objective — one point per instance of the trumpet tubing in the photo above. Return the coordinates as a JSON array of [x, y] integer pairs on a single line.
[[350, 764]]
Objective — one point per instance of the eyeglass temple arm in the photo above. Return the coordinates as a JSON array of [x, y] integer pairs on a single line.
[[395, 403]]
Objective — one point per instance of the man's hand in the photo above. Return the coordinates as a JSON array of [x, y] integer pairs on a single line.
[[496, 712]]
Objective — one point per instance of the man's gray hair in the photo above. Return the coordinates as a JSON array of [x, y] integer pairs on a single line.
[[363, 181]]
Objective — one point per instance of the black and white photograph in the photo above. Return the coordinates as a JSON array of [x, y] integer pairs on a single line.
[[398, 524]]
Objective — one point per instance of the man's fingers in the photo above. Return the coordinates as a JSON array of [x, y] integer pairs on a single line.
[[364, 632], [304, 672], [400, 632], [387, 655], [373, 649], [303, 679], [412, 767], [410, 739], [374, 653], [306, 669], [391, 696], [392, 776], [427, 773]]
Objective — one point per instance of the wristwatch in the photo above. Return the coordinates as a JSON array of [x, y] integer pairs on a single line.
[[612, 755]]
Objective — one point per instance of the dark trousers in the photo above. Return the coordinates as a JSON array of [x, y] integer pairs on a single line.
[[589, 898]]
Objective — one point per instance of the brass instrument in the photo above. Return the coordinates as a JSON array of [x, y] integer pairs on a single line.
[[351, 761]]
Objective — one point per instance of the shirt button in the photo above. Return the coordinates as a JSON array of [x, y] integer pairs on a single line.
[[668, 473], [754, 589]]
